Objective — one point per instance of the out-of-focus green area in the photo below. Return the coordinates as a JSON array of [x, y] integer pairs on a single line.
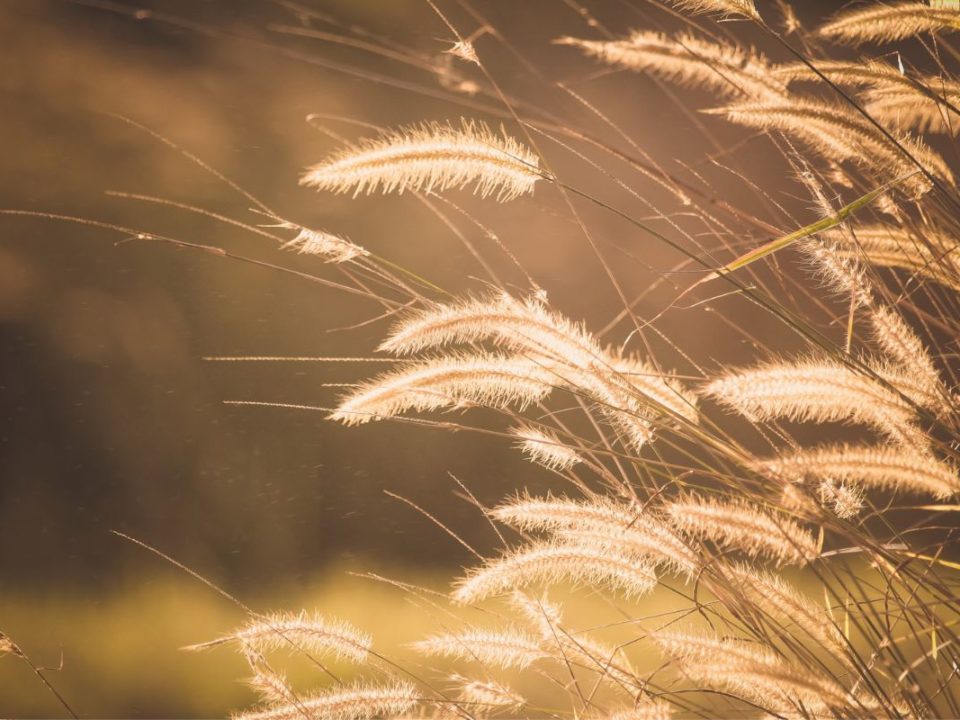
[[121, 657], [120, 650], [118, 654]]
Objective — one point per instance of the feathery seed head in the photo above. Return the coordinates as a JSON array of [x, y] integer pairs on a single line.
[[840, 273], [687, 60], [523, 325], [550, 513], [838, 133], [503, 648], [913, 109], [846, 501], [912, 372], [464, 50], [741, 526], [272, 687], [889, 22], [913, 101], [431, 158], [843, 272], [872, 73], [548, 563], [301, 632], [795, 499], [360, 702], [751, 671], [933, 256], [332, 248], [486, 380], [788, 607], [542, 614], [8, 646], [884, 467], [649, 541], [546, 617], [724, 8], [527, 327], [818, 390], [603, 524], [487, 694], [664, 392], [545, 448]]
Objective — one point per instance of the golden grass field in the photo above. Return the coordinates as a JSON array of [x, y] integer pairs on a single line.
[[121, 651], [620, 336]]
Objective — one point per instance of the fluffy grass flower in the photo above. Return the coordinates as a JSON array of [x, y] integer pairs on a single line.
[[360, 702], [431, 158], [687, 60], [298, 632], [883, 467], [502, 648], [889, 22], [485, 380], [549, 563], [740, 526]]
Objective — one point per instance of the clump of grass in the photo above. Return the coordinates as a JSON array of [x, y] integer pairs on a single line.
[[666, 488]]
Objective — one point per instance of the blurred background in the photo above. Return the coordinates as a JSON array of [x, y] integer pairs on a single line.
[[110, 419]]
